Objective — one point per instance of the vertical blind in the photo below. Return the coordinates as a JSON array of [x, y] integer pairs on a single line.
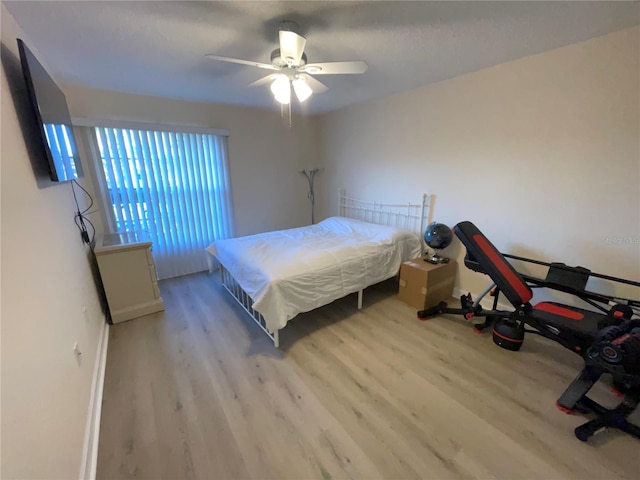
[[174, 186]]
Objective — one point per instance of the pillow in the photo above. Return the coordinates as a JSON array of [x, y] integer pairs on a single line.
[[373, 231]]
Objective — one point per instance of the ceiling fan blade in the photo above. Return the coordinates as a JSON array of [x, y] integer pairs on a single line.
[[316, 85], [334, 68], [263, 80], [266, 66], [291, 47]]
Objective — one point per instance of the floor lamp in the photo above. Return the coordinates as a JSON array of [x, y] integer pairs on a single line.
[[310, 174]]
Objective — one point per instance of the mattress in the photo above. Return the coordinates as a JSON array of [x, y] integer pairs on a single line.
[[288, 272]]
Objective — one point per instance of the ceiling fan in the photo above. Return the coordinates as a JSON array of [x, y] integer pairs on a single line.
[[289, 62]]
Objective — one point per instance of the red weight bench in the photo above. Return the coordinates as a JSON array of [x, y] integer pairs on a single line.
[[609, 342]]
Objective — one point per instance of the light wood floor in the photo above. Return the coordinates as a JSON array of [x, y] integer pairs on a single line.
[[198, 391]]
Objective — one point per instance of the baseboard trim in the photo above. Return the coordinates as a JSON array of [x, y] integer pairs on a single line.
[[92, 429]]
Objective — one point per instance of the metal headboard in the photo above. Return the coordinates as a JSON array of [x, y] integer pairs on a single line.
[[408, 216]]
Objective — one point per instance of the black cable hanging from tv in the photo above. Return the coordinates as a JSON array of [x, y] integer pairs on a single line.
[[80, 218]]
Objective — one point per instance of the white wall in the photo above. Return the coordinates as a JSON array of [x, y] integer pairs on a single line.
[[265, 155], [46, 282], [541, 153]]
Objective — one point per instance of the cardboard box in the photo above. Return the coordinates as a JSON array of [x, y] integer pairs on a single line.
[[423, 284]]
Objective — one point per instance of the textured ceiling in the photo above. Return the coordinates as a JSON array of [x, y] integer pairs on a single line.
[[158, 48]]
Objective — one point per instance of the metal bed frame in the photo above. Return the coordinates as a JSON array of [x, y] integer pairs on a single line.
[[408, 216]]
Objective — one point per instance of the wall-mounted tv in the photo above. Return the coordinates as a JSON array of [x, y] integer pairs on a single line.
[[51, 114]]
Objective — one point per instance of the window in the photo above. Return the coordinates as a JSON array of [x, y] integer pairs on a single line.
[[175, 186]]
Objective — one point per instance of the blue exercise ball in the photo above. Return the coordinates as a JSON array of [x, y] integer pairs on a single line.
[[438, 236]]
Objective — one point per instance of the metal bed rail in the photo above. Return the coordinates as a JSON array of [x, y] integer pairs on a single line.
[[246, 302], [408, 216]]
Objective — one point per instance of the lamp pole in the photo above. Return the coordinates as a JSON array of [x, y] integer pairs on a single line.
[[310, 174]]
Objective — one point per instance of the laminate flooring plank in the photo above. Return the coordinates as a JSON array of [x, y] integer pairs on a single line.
[[226, 385], [130, 449], [389, 386], [198, 391], [533, 423], [290, 432], [325, 443]]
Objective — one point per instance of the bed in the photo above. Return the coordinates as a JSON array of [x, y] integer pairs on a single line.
[[277, 275]]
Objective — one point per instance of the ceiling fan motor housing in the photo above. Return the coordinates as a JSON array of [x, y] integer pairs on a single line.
[[278, 61], [289, 26]]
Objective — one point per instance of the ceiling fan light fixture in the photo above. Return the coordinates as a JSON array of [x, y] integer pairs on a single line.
[[302, 89], [281, 89], [283, 100]]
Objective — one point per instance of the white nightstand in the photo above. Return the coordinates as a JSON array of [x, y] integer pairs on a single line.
[[128, 274]]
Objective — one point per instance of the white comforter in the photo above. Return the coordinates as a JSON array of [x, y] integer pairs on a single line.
[[292, 271]]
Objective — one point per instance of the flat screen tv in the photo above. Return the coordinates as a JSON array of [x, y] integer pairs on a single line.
[[52, 117]]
